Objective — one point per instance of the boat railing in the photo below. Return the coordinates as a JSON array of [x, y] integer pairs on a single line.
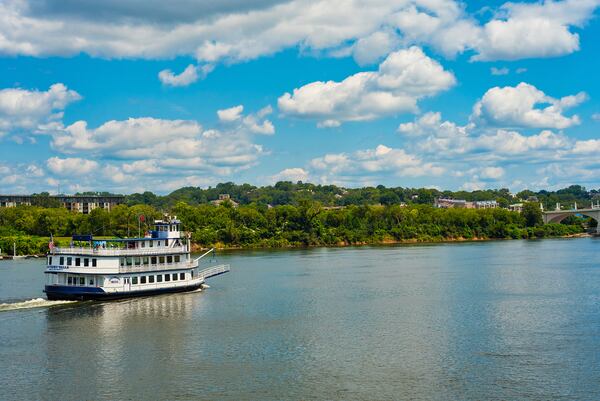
[[117, 252], [156, 267], [213, 271]]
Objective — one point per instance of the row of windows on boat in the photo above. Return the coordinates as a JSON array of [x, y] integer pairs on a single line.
[[152, 260], [135, 280], [150, 243], [137, 261], [78, 261]]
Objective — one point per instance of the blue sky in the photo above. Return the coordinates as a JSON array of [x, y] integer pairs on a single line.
[[134, 96]]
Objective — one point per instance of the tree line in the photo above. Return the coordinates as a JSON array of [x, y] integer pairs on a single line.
[[288, 193], [305, 223]]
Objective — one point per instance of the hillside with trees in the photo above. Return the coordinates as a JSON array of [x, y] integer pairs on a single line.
[[288, 193]]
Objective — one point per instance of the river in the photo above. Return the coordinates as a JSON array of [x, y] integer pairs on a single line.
[[504, 320]]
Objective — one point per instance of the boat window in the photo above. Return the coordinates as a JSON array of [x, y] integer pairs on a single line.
[[146, 260], [138, 261], [70, 280], [177, 258], [91, 281], [77, 262], [122, 261], [86, 262], [94, 263], [166, 242], [169, 259], [153, 260], [81, 280], [143, 280], [150, 279], [69, 261], [167, 277], [134, 280], [159, 278], [158, 243], [62, 260], [49, 260], [181, 276], [129, 261], [151, 244], [174, 276], [143, 244], [161, 259]]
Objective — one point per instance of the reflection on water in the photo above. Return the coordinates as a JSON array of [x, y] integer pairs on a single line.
[[500, 320], [106, 341]]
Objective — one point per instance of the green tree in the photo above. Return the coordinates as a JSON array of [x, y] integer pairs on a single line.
[[532, 214]]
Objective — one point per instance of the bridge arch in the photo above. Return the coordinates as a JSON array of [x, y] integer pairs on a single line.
[[554, 217]]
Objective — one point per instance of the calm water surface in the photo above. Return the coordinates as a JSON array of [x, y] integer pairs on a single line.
[[514, 320]]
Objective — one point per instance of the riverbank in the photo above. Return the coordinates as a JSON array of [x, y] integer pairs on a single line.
[[33, 246], [200, 248]]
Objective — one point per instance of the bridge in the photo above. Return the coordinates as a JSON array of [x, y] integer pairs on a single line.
[[556, 216]]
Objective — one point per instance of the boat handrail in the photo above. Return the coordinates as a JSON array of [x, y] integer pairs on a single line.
[[204, 254], [214, 271], [117, 252]]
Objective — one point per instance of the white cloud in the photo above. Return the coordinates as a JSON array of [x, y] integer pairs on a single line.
[[401, 80], [71, 166], [491, 173], [473, 186], [131, 138], [186, 77], [521, 70], [231, 114], [431, 124], [115, 174], [541, 29], [590, 146], [525, 106], [9, 179], [233, 31], [291, 174], [596, 116], [360, 165], [255, 123], [499, 71], [329, 124], [129, 154], [372, 48], [513, 143], [32, 111]]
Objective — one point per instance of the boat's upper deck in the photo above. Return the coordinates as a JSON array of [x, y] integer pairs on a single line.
[[166, 239]]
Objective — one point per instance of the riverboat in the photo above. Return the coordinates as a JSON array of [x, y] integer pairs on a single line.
[[158, 263]]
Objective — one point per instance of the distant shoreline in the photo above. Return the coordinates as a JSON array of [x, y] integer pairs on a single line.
[[196, 248]]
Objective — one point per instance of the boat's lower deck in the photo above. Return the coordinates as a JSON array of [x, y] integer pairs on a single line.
[[65, 292]]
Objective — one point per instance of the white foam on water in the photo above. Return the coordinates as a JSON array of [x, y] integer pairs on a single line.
[[31, 303]]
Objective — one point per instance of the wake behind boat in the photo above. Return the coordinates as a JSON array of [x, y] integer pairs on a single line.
[[158, 263]]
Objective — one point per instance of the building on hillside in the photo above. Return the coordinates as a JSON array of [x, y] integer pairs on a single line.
[[224, 198], [86, 203], [491, 204], [516, 207], [447, 203], [15, 200], [76, 203]]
